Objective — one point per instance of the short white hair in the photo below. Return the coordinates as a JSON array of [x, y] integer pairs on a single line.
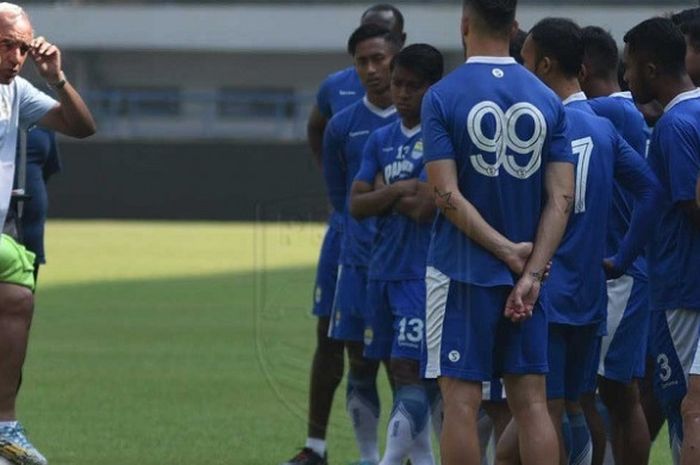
[[11, 10]]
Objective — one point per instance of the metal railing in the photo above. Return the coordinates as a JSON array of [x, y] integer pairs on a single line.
[[177, 114]]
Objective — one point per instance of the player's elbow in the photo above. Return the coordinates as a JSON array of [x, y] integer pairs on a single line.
[[356, 209]]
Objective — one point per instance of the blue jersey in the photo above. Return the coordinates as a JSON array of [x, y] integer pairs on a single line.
[[620, 109], [576, 292], [501, 126], [674, 251], [401, 245], [343, 144], [339, 90], [42, 162]]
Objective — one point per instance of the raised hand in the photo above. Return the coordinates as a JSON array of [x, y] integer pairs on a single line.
[[47, 58]]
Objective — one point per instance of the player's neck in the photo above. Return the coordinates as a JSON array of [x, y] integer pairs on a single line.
[[478, 46], [671, 87], [565, 88], [410, 122], [382, 100], [602, 88]]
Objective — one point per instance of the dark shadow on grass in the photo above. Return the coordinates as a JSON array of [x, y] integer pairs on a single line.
[[221, 356]]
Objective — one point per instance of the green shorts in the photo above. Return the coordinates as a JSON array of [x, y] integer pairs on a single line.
[[16, 263]]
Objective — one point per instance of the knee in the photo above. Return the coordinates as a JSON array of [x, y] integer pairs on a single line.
[[405, 372], [460, 398], [690, 409], [361, 367], [16, 301]]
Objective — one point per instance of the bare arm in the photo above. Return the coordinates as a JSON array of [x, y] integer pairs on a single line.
[[419, 207], [71, 116], [366, 200], [691, 210], [314, 131], [559, 184], [442, 177]]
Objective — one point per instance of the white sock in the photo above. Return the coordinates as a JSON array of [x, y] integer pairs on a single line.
[[422, 451], [317, 445], [8, 424], [365, 421], [608, 459], [399, 437]]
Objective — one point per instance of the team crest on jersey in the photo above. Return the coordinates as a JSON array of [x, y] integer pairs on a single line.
[[317, 294], [417, 153], [4, 108], [369, 336], [337, 316]]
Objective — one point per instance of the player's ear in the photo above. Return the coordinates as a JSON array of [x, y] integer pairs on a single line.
[[545, 66], [514, 29], [650, 70], [465, 25], [583, 73]]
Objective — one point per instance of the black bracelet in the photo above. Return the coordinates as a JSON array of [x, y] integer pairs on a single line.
[[61, 83]]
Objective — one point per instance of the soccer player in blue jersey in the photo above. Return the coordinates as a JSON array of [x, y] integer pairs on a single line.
[[499, 161], [339, 90], [575, 295], [655, 70], [390, 186], [624, 347], [372, 48], [344, 87]]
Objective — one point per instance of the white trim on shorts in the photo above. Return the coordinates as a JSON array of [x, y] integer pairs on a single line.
[[331, 323], [684, 327], [619, 292], [437, 287]]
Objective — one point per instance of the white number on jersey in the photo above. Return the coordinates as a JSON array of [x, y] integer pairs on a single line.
[[506, 138], [582, 148]]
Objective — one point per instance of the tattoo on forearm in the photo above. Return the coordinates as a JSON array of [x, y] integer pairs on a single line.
[[444, 200], [569, 199], [537, 275]]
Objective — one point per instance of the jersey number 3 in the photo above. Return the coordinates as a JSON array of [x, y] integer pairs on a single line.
[[583, 149], [505, 138]]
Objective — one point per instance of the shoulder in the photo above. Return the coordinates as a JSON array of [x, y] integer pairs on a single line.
[[339, 77]]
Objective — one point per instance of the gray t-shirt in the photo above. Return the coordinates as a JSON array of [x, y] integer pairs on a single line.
[[21, 105]]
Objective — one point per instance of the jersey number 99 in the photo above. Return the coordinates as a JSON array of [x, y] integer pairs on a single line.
[[505, 139]]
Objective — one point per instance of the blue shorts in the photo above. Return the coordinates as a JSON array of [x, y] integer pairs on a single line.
[[327, 271], [467, 336], [347, 322], [675, 347], [395, 327], [572, 349], [624, 349]]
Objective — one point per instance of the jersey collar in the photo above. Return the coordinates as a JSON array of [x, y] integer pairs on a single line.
[[410, 132], [577, 97], [492, 60], [695, 93], [381, 112], [627, 95]]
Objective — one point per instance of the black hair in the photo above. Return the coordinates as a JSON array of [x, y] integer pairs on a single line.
[[685, 16], [516, 45], [691, 30], [559, 39], [497, 15], [600, 52], [371, 31], [386, 7], [422, 59], [661, 42]]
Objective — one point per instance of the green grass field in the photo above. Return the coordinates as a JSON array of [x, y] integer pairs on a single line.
[[178, 343]]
